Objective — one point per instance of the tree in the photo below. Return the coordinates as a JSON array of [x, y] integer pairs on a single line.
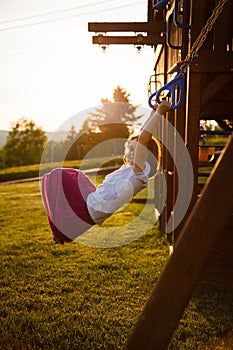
[[70, 144], [53, 152], [25, 143], [120, 110], [2, 160], [114, 120]]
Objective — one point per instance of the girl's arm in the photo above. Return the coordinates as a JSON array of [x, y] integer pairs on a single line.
[[146, 135]]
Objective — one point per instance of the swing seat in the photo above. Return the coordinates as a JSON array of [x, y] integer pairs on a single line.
[[64, 193]]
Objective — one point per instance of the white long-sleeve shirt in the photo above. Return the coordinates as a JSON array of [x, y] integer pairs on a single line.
[[118, 189]]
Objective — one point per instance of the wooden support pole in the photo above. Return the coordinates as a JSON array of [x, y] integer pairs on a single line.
[[193, 106], [183, 270], [170, 174]]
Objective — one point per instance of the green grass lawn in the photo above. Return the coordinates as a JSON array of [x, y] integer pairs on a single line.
[[81, 297]]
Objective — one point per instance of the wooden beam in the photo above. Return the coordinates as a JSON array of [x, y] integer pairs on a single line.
[[157, 54], [198, 18], [170, 173], [193, 108], [127, 40], [215, 86], [150, 10], [212, 62], [104, 27], [180, 276], [180, 125], [217, 109], [221, 30]]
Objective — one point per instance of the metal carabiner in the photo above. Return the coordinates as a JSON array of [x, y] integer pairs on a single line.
[[160, 4], [171, 86]]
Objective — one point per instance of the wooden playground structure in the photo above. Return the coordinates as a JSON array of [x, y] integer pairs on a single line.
[[193, 66]]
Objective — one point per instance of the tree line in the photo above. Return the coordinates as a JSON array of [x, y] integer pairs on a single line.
[[114, 121]]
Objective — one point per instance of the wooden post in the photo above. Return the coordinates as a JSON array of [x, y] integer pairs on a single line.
[[193, 105], [197, 240]]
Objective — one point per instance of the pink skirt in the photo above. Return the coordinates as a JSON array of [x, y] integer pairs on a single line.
[[64, 193]]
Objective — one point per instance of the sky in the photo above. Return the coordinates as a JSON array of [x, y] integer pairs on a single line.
[[50, 70]]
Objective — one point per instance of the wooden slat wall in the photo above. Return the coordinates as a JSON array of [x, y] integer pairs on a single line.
[[206, 82]]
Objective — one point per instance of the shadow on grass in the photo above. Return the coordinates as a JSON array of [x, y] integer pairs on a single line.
[[208, 317]]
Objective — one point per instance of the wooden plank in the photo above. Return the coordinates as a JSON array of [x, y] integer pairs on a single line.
[[198, 239], [127, 40], [104, 27], [157, 54], [230, 39], [209, 7], [221, 29], [215, 86], [197, 18], [150, 10], [213, 62], [222, 257], [163, 217], [185, 31], [193, 108], [170, 174], [217, 110], [180, 125], [161, 67]]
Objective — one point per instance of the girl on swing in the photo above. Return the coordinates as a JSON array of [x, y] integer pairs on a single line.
[[72, 202]]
